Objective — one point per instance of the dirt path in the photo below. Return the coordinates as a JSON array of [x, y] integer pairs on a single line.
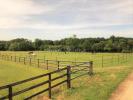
[[125, 90]]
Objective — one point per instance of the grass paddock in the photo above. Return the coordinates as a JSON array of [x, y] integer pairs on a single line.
[[109, 70]]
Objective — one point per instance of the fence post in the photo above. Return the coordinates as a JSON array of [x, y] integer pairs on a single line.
[[102, 60], [47, 64], [112, 60], [30, 61], [75, 61], [118, 59], [69, 76], [49, 75], [122, 57], [8, 57], [58, 64], [3, 57], [10, 92], [24, 60], [15, 58], [19, 59], [126, 57], [11, 58], [38, 62], [90, 68], [44, 59]]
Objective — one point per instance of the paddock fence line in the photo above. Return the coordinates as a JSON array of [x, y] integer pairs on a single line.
[[40, 63], [99, 61], [113, 59], [65, 75]]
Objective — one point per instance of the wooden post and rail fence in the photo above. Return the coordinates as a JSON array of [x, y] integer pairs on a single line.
[[103, 61], [66, 76], [40, 63]]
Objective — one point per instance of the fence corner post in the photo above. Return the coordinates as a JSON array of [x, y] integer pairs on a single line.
[[69, 76], [90, 68]]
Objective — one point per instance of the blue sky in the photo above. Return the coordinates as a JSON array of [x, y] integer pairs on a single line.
[[56, 19]]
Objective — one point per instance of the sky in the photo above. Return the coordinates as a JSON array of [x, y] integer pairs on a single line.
[[57, 19]]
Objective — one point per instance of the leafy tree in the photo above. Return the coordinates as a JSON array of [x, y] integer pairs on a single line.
[[37, 44], [2, 45], [112, 44]]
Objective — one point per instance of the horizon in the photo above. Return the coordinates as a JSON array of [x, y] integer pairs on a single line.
[[69, 37], [55, 20]]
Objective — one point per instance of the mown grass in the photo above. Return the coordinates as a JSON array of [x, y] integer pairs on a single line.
[[11, 72], [99, 59], [98, 87]]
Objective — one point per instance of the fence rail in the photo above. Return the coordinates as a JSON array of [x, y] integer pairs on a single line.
[[99, 60], [68, 72], [41, 63]]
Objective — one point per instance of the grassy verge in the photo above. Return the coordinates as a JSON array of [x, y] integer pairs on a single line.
[[98, 87]]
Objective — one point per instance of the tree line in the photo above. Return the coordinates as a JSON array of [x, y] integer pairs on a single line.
[[112, 44]]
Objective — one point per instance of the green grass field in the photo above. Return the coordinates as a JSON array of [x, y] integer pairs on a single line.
[[99, 59], [107, 74], [11, 72], [98, 87]]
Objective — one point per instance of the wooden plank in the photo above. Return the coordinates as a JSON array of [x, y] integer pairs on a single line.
[[49, 90]]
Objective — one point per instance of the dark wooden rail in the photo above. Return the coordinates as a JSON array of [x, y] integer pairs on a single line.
[[11, 94], [40, 63], [68, 71]]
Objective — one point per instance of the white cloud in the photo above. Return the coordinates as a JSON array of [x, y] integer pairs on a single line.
[[65, 16], [14, 12], [21, 8]]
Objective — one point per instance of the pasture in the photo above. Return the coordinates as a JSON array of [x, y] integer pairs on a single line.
[[109, 70], [11, 72], [99, 59]]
